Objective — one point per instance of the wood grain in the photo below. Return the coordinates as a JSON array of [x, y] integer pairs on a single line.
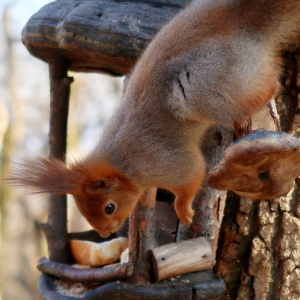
[[181, 258], [97, 36]]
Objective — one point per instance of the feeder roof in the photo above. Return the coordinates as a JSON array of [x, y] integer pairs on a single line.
[[96, 36]]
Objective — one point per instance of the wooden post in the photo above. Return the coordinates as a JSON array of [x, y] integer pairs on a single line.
[[142, 238], [56, 227]]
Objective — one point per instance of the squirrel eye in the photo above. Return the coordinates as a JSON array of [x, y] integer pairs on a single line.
[[109, 209]]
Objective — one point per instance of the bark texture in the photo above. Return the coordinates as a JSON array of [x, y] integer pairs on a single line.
[[259, 254]]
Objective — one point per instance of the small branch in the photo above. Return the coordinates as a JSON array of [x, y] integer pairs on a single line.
[[142, 238], [274, 116], [99, 275]]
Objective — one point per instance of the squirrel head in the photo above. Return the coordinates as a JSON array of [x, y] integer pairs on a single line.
[[104, 196]]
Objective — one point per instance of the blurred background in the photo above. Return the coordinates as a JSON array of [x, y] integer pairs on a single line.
[[24, 116]]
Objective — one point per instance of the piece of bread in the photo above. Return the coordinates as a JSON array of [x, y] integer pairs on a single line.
[[125, 256], [98, 254]]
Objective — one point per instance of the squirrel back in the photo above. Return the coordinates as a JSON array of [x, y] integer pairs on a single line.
[[217, 61]]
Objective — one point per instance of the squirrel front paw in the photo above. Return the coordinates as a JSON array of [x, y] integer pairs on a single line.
[[185, 214], [184, 197]]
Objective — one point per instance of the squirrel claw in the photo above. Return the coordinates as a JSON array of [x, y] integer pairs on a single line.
[[186, 217]]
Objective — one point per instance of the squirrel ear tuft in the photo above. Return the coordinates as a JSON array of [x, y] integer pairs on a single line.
[[107, 183], [95, 186]]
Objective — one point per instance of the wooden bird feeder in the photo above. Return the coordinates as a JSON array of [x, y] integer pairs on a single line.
[[108, 36]]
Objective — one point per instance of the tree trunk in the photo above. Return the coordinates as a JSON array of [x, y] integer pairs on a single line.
[[258, 254]]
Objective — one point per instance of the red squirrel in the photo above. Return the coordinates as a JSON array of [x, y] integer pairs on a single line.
[[216, 61]]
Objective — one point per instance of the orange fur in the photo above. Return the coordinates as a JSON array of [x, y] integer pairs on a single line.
[[93, 185], [184, 198]]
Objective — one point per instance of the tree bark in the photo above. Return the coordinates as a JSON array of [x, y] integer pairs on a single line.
[[258, 257]]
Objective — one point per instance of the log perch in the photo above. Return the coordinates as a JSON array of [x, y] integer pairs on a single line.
[[181, 258], [99, 275]]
